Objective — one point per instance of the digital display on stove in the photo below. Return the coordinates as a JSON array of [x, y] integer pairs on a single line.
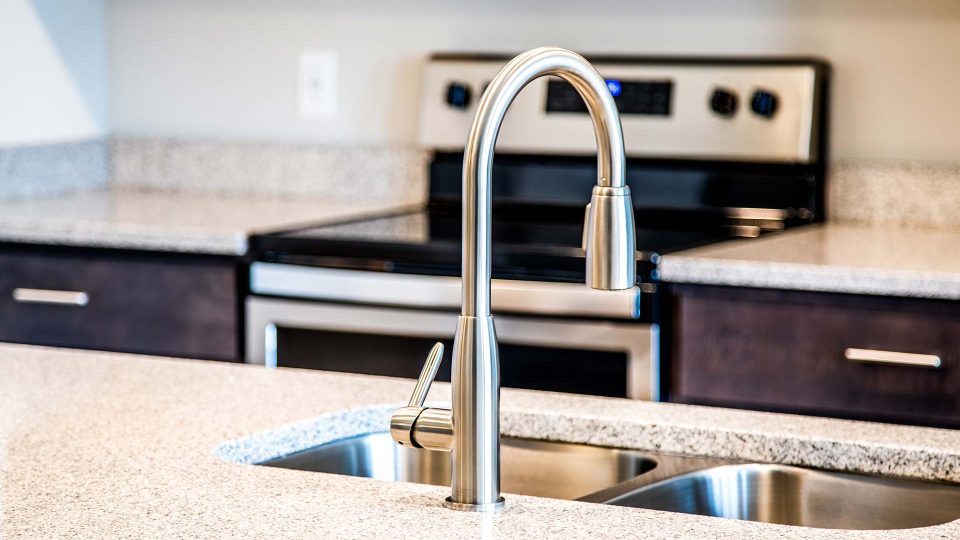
[[652, 98]]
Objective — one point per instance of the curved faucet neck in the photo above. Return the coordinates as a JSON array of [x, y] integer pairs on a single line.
[[478, 153]]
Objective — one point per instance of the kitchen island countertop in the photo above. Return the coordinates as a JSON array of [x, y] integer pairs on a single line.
[[96, 445], [833, 257]]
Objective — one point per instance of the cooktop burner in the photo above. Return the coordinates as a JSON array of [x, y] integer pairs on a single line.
[[528, 243]]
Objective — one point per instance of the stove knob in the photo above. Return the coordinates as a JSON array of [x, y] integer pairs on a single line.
[[458, 95], [724, 102], [764, 103]]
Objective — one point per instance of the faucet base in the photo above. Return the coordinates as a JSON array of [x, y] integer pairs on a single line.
[[495, 506]]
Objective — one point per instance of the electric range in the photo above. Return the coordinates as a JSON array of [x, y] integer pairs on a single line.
[[717, 149]]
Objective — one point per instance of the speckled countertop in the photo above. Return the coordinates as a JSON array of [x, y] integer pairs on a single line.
[[845, 258], [100, 445], [134, 218]]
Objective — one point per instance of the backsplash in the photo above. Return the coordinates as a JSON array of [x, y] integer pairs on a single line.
[[907, 193], [375, 173], [52, 169]]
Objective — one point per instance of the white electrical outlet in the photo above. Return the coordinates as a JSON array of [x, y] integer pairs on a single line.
[[318, 83]]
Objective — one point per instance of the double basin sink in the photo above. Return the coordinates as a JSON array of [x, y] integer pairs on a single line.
[[710, 487]]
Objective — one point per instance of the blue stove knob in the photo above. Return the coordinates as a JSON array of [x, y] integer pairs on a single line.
[[458, 95], [764, 103]]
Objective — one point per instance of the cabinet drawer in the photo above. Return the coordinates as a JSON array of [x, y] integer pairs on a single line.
[[788, 351], [153, 304]]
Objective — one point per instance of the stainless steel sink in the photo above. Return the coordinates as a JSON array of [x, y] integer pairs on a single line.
[[796, 496], [528, 467], [710, 487]]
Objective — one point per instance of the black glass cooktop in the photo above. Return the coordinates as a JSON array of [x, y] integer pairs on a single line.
[[528, 243]]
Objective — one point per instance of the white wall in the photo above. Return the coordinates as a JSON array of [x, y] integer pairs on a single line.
[[53, 80], [227, 68]]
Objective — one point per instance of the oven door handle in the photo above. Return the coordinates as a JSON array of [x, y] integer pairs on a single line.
[[441, 292]]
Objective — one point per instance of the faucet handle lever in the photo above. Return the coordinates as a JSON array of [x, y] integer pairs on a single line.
[[437, 430], [429, 372]]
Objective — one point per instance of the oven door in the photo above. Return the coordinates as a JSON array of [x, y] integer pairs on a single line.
[[596, 357]]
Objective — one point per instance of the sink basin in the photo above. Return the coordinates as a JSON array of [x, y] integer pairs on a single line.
[[528, 467], [796, 496], [710, 487]]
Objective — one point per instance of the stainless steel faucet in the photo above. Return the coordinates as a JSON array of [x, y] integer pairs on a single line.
[[471, 430]]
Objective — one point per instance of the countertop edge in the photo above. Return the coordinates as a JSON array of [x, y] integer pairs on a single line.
[[808, 277]]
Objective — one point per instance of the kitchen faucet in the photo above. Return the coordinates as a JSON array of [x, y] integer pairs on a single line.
[[471, 429]]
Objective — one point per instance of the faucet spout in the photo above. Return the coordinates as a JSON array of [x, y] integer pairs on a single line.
[[471, 431], [614, 209]]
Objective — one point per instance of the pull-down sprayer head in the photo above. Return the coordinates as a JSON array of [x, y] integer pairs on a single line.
[[608, 239]]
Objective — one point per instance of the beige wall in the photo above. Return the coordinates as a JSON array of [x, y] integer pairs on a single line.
[[226, 69]]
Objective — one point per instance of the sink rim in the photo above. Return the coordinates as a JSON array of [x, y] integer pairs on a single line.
[[304, 434]]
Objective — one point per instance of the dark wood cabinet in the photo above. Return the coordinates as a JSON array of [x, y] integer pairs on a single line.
[[165, 304], [785, 351]]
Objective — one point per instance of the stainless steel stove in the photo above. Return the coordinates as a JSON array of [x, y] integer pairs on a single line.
[[717, 149]]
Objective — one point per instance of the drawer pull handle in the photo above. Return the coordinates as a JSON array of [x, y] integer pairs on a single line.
[[891, 357], [49, 296]]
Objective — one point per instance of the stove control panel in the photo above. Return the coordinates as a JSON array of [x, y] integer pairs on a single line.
[[650, 98], [712, 108]]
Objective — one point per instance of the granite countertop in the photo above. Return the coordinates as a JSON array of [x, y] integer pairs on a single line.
[[96, 445], [131, 218], [845, 258]]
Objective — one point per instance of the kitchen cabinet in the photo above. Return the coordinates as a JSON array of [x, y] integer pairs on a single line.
[[140, 302], [787, 351]]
